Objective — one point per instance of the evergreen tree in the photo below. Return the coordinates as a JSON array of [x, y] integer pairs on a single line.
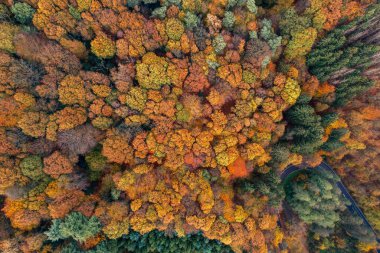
[[280, 153], [329, 118], [344, 54], [155, 242], [334, 142], [353, 85], [354, 227], [268, 184], [304, 130], [76, 226], [317, 200]]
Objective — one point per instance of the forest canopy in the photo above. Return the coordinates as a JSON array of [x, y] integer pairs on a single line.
[[168, 125]]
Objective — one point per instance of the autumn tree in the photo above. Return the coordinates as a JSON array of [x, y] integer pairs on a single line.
[[103, 47], [35, 48], [57, 164], [125, 124]]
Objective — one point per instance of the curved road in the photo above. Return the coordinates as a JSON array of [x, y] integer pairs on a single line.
[[353, 207]]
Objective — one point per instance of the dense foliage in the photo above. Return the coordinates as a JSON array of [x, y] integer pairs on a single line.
[[157, 242], [317, 200], [343, 54], [334, 226], [76, 226], [165, 126]]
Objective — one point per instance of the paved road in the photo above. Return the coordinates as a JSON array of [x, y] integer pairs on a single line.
[[354, 208], [289, 170]]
